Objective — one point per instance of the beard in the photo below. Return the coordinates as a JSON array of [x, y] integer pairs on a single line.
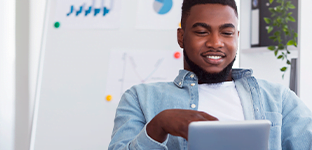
[[206, 77]]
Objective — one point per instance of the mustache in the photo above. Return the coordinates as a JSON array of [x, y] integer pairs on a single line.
[[213, 51]]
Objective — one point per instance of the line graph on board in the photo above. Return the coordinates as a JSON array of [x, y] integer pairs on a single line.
[[129, 60], [86, 10], [129, 68]]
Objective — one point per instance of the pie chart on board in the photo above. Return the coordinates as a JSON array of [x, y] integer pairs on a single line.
[[162, 6]]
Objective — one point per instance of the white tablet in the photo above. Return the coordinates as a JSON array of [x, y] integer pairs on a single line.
[[234, 135]]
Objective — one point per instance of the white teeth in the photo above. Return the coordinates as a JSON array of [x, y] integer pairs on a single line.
[[214, 57]]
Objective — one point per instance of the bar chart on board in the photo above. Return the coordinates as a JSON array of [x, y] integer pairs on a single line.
[[91, 10], [86, 14]]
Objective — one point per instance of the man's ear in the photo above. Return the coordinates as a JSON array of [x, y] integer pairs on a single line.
[[180, 34]]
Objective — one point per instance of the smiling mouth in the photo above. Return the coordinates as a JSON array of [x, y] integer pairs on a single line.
[[214, 57]]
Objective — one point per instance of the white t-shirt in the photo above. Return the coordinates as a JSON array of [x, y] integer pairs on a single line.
[[220, 100]]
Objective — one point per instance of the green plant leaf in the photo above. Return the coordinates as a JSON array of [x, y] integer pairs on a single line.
[[295, 34], [278, 9], [288, 62], [272, 10], [272, 48], [281, 46], [277, 33], [270, 28], [279, 20], [275, 52], [271, 1], [285, 29], [289, 14], [288, 52], [279, 39], [275, 23], [283, 69], [267, 20], [291, 42], [272, 37], [289, 2], [291, 6], [280, 56], [292, 19], [279, 1]]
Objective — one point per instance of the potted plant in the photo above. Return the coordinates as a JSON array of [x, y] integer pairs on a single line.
[[284, 35]]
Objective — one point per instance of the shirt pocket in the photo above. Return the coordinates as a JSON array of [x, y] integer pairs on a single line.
[[275, 131]]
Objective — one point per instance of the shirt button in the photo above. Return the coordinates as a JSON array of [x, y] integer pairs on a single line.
[[257, 109], [180, 83], [192, 75], [193, 105], [193, 84]]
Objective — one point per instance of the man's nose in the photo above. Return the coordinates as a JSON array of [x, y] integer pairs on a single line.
[[214, 41]]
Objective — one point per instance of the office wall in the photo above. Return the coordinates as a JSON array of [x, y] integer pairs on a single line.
[[305, 62], [7, 74]]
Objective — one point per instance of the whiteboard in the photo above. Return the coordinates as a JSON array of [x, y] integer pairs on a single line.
[[71, 112]]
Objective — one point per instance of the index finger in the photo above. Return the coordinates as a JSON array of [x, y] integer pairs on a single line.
[[208, 116]]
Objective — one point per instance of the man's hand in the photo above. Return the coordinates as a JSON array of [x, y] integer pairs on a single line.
[[174, 122]]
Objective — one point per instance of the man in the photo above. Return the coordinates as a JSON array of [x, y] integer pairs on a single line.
[[156, 116]]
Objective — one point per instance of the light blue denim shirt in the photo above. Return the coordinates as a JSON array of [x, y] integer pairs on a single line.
[[291, 119]]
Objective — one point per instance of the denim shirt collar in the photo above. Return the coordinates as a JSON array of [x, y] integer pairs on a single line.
[[241, 73], [179, 80], [236, 74]]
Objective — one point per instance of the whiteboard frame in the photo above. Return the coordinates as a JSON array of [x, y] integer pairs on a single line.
[[39, 78]]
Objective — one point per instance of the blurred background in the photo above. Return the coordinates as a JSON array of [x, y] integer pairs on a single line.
[[65, 63]]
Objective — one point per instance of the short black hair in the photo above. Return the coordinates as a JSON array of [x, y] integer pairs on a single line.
[[188, 4]]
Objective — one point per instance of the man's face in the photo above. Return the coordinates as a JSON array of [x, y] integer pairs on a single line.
[[210, 37]]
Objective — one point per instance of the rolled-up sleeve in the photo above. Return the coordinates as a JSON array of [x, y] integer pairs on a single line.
[[129, 131]]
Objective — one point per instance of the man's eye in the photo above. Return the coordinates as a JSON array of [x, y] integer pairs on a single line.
[[201, 32], [227, 33]]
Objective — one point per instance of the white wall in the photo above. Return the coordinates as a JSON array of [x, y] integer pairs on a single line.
[[22, 128], [7, 73], [305, 31]]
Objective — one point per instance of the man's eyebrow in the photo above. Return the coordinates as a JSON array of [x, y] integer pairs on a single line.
[[208, 27], [227, 25]]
